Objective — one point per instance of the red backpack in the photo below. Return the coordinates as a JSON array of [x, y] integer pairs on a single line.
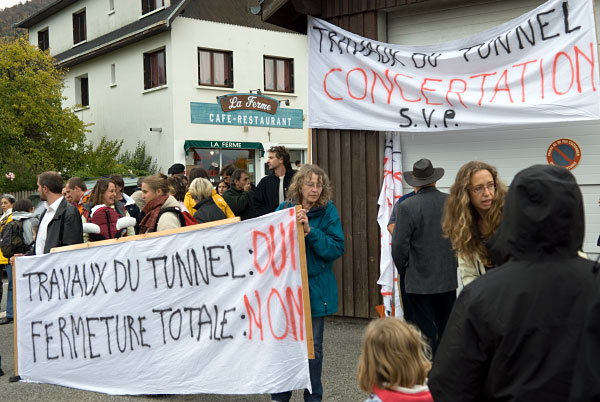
[[185, 218], [106, 218]]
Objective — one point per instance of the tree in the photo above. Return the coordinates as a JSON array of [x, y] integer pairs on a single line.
[[37, 134], [101, 160], [138, 162]]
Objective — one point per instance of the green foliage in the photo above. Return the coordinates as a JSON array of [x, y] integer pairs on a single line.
[[101, 160], [138, 162], [37, 134]]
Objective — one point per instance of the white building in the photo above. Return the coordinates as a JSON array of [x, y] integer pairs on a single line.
[[152, 70]]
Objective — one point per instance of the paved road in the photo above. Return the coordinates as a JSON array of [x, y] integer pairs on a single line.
[[341, 350]]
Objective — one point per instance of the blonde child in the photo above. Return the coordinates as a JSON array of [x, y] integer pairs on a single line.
[[394, 362]]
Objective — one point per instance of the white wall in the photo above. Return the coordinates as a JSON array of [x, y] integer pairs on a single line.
[[248, 45], [510, 150], [431, 22], [127, 111], [99, 21]]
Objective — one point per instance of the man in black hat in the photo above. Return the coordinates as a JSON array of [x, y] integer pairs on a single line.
[[423, 257], [175, 169]]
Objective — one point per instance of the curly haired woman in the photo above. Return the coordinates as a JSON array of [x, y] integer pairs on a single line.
[[471, 216], [324, 240]]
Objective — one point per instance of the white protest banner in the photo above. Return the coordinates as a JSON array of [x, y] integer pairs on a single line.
[[541, 67], [219, 310]]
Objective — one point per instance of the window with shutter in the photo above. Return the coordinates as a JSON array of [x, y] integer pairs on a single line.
[[151, 5], [279, 74], [155, 69], [215, 68], [43, 39], [79, 28]]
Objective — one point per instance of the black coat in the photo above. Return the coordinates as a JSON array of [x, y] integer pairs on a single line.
[[420, 251], [208, 211], [266, 196], [586, 378], [64, 229], [513, 333]]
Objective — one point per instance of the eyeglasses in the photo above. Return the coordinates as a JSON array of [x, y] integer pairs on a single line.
[[313, 185], [491, 186]]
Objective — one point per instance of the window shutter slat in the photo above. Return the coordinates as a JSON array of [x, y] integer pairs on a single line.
[[291, 75], [230, 65], [147, 77]]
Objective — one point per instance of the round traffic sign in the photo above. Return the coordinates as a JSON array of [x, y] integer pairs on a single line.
[[564, 152]]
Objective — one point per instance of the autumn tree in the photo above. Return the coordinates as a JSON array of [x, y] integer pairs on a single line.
[[36, 132]]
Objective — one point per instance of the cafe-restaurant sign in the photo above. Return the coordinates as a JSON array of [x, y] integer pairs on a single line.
[[246, 110]]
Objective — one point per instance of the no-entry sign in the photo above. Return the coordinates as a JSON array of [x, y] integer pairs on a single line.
[[565, 153]]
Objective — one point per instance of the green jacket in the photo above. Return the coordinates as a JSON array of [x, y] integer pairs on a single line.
[[324, 245], [240, 202]]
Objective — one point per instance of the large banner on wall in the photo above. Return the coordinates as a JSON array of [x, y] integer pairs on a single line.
[[539, 68], [218, 310]]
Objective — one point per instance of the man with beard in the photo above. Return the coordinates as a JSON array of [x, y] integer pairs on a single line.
[[60, 223]]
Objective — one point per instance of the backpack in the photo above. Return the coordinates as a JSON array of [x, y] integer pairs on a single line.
[[11, 239], [106, 218], [185, 218]]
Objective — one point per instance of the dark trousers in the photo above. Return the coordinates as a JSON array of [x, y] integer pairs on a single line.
[[315, 367], [430, 313], [403, 296]]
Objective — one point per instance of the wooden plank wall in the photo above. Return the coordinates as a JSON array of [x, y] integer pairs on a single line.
[[352, 159], [336, 8]]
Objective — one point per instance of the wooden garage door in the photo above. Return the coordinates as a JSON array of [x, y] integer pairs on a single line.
[[352, 159]]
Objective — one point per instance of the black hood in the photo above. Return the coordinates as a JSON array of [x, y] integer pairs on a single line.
[[543, 217]]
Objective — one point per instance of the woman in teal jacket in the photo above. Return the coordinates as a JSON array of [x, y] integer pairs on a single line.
[[324, 244]]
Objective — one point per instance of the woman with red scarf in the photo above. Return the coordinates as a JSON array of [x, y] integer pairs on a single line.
[[155, 192]]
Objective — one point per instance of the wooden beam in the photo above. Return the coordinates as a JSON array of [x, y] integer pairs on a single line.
[[310, 343], [270, 7], [146, 235]]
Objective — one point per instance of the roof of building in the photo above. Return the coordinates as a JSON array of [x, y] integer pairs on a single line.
[[235, 12], [44, 13], [225, 11], [136, 31]]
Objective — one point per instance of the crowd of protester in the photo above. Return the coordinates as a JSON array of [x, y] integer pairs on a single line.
[[525, 325], [74, 214]]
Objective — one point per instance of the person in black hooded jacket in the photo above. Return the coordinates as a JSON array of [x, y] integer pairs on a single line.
[[586, 378], [513, 334]]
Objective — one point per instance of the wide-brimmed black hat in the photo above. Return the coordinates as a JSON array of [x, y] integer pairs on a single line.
[[423, 173]]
